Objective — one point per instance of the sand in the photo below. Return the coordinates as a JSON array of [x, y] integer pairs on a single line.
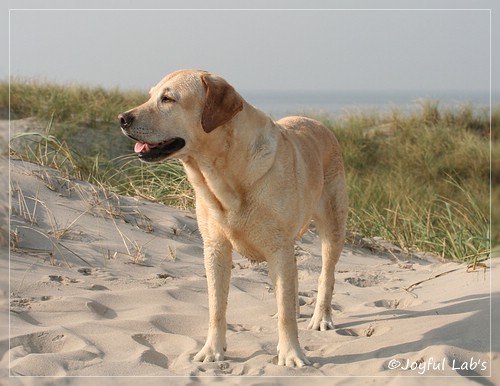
[[108, 286]]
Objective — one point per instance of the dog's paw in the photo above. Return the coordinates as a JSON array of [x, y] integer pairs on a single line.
[[292, 357], [210, 353], [321, 322]]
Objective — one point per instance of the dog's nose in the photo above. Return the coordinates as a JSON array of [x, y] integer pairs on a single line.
[[125, 119]]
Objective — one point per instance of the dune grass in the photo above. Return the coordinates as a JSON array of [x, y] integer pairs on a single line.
[[419, 179]]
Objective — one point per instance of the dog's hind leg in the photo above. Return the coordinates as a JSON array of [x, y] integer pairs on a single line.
[[330, 220]]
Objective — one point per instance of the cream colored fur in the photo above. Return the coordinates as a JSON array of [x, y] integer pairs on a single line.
[[258, 185]]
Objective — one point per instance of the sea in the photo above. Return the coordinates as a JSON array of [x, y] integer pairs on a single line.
[[278, 103]]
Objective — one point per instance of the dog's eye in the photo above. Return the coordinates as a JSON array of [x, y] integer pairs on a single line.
[[166, 99]]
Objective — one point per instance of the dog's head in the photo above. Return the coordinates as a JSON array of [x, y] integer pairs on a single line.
[[182, 107]]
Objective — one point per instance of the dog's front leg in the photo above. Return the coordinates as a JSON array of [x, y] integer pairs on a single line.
[[218, 270], [283, 272]]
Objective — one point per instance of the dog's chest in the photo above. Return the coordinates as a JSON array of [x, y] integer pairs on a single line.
[[244, 238], [246, 249]]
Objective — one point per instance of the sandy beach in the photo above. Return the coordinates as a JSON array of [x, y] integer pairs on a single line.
[[108, 286]]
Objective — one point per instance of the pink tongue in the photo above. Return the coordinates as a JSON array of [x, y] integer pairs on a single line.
[[140, 147]]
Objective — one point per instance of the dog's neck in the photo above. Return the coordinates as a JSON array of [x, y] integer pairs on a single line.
[[216, 172]]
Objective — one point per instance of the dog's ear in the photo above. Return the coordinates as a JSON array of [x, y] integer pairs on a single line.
[[222, 102]]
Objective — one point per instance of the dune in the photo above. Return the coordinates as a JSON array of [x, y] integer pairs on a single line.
[[108, 286]]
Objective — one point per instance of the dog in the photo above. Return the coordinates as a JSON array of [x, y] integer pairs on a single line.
[[258, 185]]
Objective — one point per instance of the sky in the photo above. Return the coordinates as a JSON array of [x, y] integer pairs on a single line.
[[369, 47]]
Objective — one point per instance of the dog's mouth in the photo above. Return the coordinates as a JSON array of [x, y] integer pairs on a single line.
[[152, 152]]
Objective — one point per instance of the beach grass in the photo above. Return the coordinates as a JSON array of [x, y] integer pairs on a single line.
[[421, 179]]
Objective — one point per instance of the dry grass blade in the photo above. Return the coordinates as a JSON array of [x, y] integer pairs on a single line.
[[53, 242]]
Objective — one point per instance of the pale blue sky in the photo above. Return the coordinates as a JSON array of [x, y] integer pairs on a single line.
[[296, 50]]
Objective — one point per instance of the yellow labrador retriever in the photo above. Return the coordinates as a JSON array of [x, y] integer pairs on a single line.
[[258, 185]]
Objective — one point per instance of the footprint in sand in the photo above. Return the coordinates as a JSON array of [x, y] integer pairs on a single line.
[[85, 271], [50, 353], [166, 350], [307, 297], [151, 355], [98, 287], [363, 281], [62, 279], [101, 310], [242, 328], [393, 304], [98, 273], [45, 342], [367, 331]]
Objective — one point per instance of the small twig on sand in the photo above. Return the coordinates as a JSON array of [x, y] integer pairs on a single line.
[[408, 289]]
